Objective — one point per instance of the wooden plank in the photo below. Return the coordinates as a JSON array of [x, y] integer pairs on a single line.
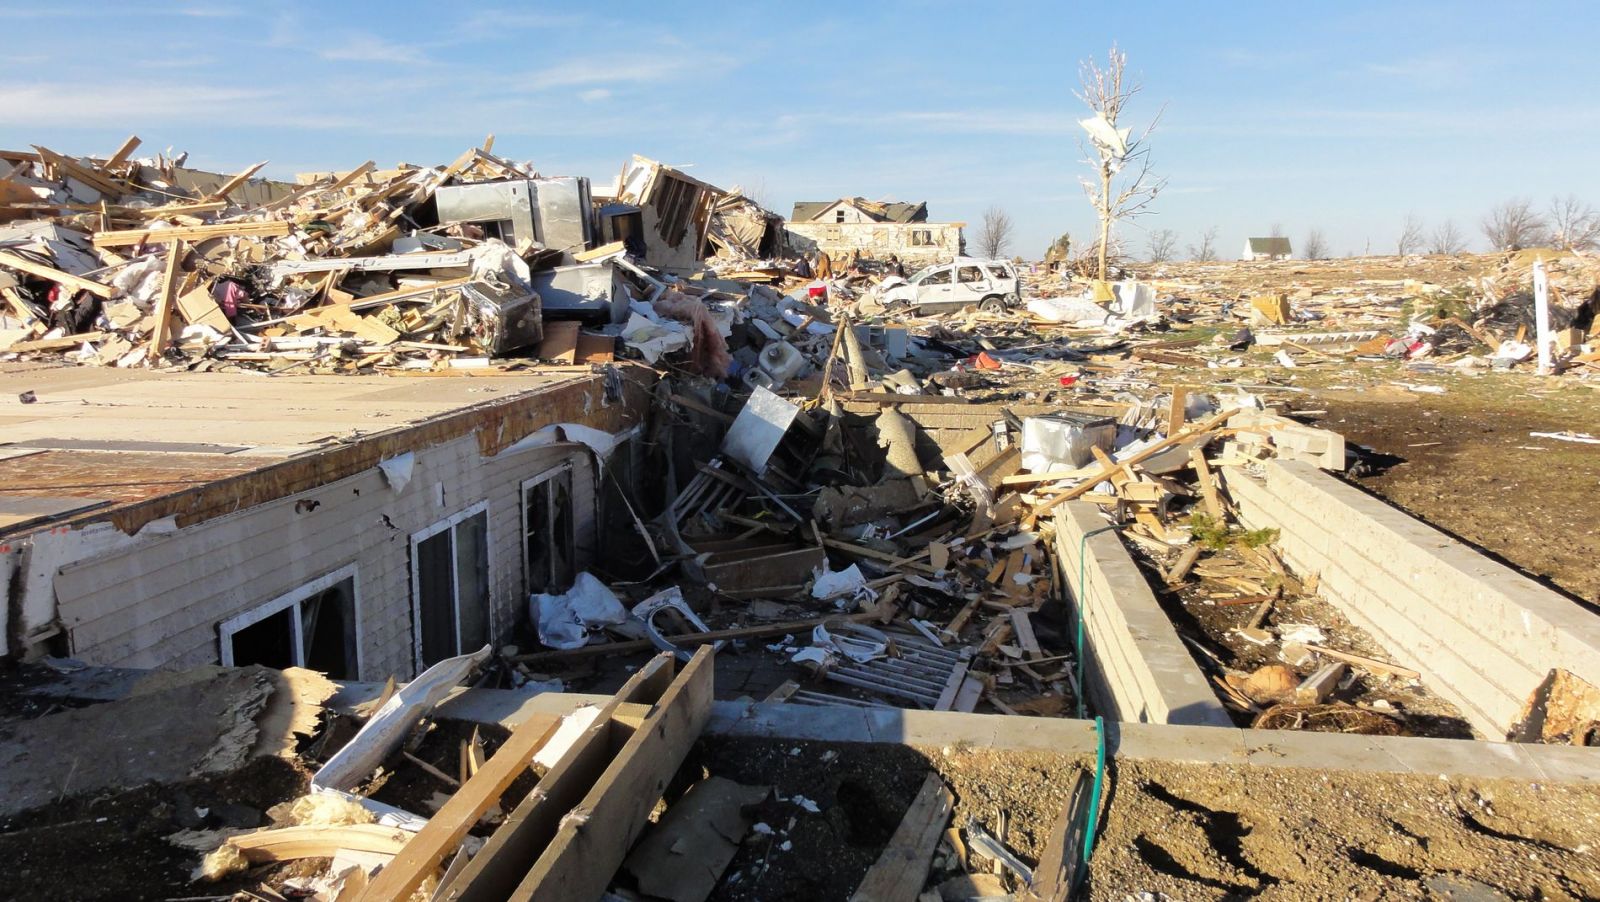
[[594, 348], [873, 553], [164, 304], [560, 342], [596, 835], [1372, 664], [902, 868], [123, 237], [68, 166], [286, 843], [1057, 872], [1024, 632], [123, 152], [444, 831], [76, 283], [233, 184], [604, 250], [1175, 412], [1208, 485], [1192, 431], [527, 832]]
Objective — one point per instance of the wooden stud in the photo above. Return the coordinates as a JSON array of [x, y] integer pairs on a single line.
[[65, 279], [902, 868], [164, 305]]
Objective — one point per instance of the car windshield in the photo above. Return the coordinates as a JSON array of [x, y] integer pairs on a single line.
[[921, 274]]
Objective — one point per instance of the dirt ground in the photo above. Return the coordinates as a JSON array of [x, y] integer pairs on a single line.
[[1196, 615], [1180, 831], [1468, 465], [113, 846]]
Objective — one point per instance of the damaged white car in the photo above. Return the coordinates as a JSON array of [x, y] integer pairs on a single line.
[[989, 284]]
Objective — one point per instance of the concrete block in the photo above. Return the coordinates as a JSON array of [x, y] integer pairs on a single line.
[[1141, 670]]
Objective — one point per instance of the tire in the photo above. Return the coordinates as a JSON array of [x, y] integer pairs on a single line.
[[995, 304]]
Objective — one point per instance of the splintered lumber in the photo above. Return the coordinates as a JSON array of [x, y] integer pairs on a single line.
[[1208, 485], [1177, 410], [604, 250], [1058, 866], [1186, 560], [444, 831], [495, 871], [595, 835], [1372, 664], [852, 548], [898, 874], [287, 843], [254, 229], [1191, 431], [76, 283], [123, 152], [70, 167], [164, 304], [55, 344], [231, 184]]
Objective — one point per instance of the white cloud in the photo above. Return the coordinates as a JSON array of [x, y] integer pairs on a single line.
[[369, 48], [594, 94]]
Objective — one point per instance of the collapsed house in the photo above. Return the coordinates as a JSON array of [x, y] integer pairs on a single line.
[[699, 579], [876, 230]]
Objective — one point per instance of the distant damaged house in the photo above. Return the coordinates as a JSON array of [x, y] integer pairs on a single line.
[[1276, 248], [875, 229], [740, 228]]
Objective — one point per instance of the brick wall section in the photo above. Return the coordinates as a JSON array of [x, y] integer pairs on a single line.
[[1138, 669], [1482, 635], [158, 604]]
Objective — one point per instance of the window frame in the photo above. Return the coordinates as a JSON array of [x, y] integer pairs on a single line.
[[449, 524], [566, 469], [228, 628]]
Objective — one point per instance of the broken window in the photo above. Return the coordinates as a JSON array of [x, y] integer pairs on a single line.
[[314, 626], [450, 586], [938, 277], [922, 238], [838, 215], [969, 274], [548, 531]]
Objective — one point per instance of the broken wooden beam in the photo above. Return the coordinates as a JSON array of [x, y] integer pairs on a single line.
[[66, 279], [902, 868], [123, 237]]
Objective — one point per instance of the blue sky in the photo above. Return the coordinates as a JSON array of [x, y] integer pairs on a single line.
[[1342, 118]]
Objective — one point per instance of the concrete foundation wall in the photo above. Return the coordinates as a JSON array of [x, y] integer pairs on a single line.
[[1482, 635], [157, 601], [1138, 668], [877, 240]]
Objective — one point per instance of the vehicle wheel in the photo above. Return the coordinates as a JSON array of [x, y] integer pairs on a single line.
[[993, 305]]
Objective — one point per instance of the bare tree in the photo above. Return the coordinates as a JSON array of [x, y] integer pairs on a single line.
[[1206, 250], [1574, 224], [1446, 239], [1514, 224], [1124, 185], [1316, 247], [1410, 235], [995, 235], [1276, 231], [1163, 245]]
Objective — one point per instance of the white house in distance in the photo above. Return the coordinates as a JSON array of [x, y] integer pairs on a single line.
[[1276, 248], [875, 229]]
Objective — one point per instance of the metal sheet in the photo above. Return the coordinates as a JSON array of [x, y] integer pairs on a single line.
[[563, 212], [758, 429], [510, 203], [588, 288]]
